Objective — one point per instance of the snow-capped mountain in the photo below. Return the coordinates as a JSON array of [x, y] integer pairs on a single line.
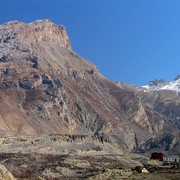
[[156, 86]]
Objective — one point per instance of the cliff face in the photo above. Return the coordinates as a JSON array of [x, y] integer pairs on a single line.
[[166, 103], [36, 32], [45, 88]]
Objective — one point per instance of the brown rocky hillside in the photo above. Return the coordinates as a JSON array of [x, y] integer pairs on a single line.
[[46, 88]]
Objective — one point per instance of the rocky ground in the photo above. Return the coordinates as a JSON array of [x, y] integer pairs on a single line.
[[115, 174], [5, 174], [45, 166], [58, 156], [91, 167], [58, 144]]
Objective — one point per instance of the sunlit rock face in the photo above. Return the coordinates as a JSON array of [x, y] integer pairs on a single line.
[[5, 174], [46, 88]]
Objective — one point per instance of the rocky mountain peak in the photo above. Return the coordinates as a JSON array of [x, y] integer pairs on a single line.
[[11, 24], [45, 88], [177, 77], [156, 85], [45, 30], [35, 32], [42, 40]]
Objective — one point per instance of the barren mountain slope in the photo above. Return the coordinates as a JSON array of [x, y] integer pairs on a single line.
[[167, 103], [45, 88]]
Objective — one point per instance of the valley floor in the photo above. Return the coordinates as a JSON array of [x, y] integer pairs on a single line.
[[158, 176], [55, 167]]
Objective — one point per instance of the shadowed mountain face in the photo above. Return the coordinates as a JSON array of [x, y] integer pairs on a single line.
[[45, 88]]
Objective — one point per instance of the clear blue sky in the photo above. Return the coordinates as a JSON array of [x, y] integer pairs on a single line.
[[133, 41]]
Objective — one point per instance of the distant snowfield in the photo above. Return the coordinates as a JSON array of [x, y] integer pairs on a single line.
[[172, 86]]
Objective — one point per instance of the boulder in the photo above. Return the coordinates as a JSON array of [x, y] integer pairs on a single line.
[[5, 174], [7, 85], [25, 84]]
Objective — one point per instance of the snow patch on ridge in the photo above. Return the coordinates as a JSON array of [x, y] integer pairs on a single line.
[[171, 86]]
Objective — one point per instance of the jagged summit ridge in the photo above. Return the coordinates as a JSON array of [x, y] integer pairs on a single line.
[[40, 30], [41, 38], [157, 86]]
